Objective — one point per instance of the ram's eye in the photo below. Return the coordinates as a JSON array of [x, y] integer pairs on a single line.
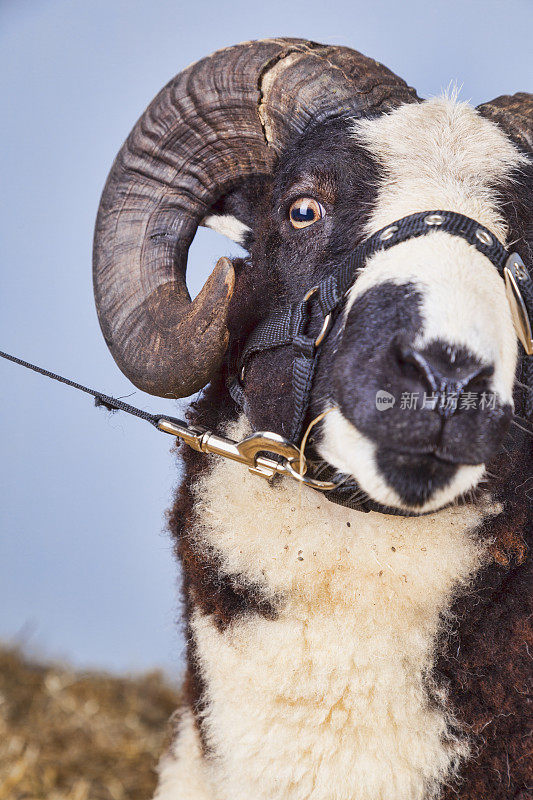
[[304, 211]]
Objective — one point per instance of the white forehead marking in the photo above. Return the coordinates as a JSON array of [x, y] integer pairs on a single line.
[[439, 154]]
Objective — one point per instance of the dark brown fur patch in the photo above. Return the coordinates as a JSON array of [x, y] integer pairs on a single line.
[[207, 585], [487, 662]]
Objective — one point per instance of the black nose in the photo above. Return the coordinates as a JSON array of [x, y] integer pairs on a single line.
[[444, 369]]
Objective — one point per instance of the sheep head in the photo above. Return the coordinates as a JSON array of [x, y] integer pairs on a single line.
[[298, 151]]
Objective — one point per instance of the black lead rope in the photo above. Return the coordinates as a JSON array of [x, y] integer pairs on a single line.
[[100, 399]]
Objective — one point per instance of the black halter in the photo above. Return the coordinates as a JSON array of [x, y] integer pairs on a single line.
[[289, 325]]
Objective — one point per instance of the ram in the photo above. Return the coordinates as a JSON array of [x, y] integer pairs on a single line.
[[361, 632]]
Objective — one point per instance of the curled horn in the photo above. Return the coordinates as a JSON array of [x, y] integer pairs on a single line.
[[218, 122], [514, 113]]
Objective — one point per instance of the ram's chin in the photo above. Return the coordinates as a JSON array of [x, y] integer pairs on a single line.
[[415, 483]]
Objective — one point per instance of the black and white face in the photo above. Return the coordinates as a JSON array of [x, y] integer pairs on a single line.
[[422, 375], [428, 316], [418, 371]]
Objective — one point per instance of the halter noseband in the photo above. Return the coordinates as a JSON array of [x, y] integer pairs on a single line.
[[289, 325]]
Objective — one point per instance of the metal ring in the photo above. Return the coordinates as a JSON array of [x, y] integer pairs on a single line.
[[484, 237], [325, 327], [327, 319], [310, 293], [388, 233], [434, 219], [324, 486]]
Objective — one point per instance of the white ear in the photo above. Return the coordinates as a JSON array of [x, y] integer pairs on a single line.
[[227, 225]]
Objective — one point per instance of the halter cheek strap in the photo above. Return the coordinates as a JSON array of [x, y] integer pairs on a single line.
[[289, 325]]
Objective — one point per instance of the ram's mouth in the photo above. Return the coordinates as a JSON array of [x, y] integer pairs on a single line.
[[416, 481], [415, 477], [423, 482]]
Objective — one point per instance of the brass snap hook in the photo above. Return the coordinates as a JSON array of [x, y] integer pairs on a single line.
[[268, 442]]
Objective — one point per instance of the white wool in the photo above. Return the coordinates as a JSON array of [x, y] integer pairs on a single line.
[[182, 773], [330, 699], [439, 154]]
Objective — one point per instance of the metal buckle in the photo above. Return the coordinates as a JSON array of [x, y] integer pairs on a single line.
[[252, 451], [268, 442], [515, 273], [327, 319]]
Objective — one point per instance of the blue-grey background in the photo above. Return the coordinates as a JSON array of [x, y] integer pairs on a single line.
[[86, 570]]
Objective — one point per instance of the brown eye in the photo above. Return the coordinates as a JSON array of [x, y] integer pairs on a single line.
[[305, 211]]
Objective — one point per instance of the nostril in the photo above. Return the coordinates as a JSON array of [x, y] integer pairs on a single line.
[[478, 377], [443, 369], [414, 364]]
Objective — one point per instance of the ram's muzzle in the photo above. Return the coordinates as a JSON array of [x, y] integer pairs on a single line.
[[423, 373]]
